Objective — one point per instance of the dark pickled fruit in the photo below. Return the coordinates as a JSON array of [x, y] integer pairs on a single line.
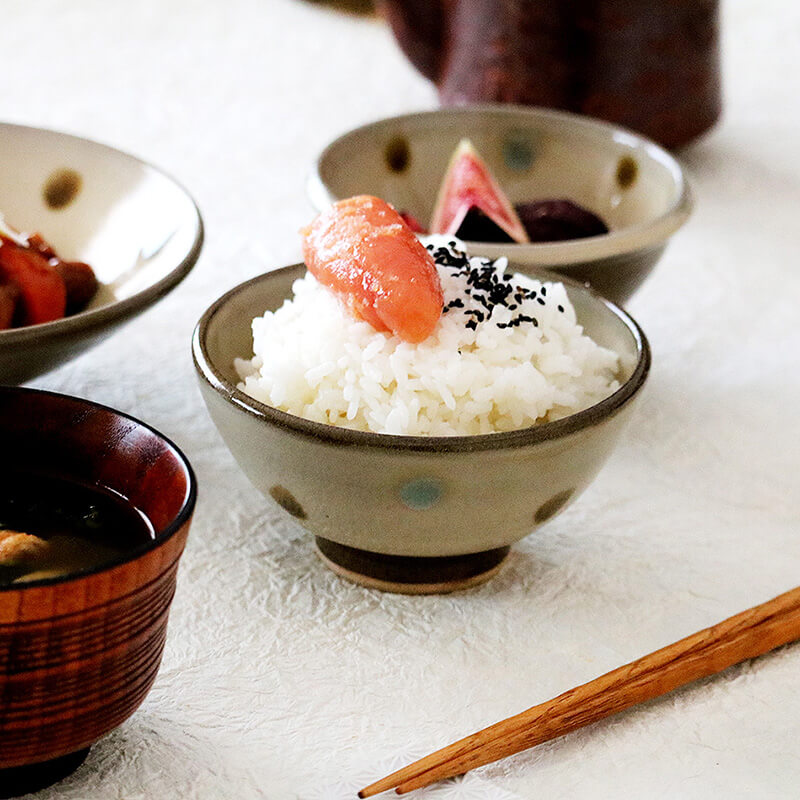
[[558, 221]]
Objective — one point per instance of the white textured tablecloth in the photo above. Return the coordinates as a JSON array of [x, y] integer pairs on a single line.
[[280, 680]]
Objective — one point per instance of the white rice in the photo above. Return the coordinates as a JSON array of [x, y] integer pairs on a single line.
[[315, 360]]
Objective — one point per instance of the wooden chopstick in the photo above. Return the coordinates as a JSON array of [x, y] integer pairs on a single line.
[[746, 635]]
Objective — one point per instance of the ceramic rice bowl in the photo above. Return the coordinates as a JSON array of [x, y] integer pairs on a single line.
[[410, 513]]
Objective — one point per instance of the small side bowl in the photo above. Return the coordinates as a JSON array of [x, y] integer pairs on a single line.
[[79, 653], [637, 187], [411, 513], [140, 230]]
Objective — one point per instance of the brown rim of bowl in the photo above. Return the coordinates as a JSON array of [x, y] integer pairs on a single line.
[[94, 318], [166, 533], [332, 434], [576, 251]]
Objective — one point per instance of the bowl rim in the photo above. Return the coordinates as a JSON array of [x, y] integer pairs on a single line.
[[336, 435], [97, 318], [617, 241], [183, 516]]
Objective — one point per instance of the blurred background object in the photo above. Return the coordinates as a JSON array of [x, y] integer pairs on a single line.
[[351, 6], [650, 65]]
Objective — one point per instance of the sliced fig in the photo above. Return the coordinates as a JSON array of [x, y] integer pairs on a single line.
[[558, 220], [467, 185]]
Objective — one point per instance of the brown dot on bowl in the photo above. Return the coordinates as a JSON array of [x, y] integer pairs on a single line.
[[552, 506], [627, 172], [397, 154], [284, 498], [62, 187]]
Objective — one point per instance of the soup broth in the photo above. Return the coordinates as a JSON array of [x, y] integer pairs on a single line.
[[51, 526]]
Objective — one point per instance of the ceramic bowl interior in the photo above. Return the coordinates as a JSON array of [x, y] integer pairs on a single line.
[[638, 188], [410, 497], [140, 231], [79, 652]]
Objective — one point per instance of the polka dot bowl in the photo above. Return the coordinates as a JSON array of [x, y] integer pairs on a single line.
[[139, 230], [411, 514], [635, 186]]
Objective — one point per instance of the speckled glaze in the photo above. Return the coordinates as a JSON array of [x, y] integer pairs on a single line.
[[637, 187], [79, 653], [411, 496], [141, 232]]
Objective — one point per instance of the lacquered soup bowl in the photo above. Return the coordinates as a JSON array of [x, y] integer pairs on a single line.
[[79, 653]]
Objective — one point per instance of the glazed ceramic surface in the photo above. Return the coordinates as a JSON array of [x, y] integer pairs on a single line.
[[638, 188], [79, 653], [409, 495], [140, 231]]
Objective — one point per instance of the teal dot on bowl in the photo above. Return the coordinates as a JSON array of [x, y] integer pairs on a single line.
[[420, 494], [517, 153]]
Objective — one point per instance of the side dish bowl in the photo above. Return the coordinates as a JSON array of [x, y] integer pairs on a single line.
[[140, 231], [633, 184], [411, 513], [79, 653]]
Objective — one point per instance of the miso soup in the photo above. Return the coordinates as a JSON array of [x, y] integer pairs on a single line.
[[51, 526]]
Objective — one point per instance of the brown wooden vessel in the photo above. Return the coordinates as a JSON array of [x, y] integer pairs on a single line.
[[79, 653], [650, 65]]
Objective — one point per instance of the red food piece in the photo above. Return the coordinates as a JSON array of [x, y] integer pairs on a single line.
[[363, 250], [43, 296], [80, 282], [43, 247], [467, 185], [413, 222], [78, 277], [9, 294]]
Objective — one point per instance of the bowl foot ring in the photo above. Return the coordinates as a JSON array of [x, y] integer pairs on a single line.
[[16, 781], [409, 574]]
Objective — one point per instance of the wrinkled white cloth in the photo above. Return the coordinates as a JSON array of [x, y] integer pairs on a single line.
[[280, 680]]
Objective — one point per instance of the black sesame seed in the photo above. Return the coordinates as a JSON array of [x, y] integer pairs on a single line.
[[544, 291], [561, 309], [540, 301]]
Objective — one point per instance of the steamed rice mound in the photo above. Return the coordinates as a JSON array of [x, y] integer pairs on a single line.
[[488, 366]]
